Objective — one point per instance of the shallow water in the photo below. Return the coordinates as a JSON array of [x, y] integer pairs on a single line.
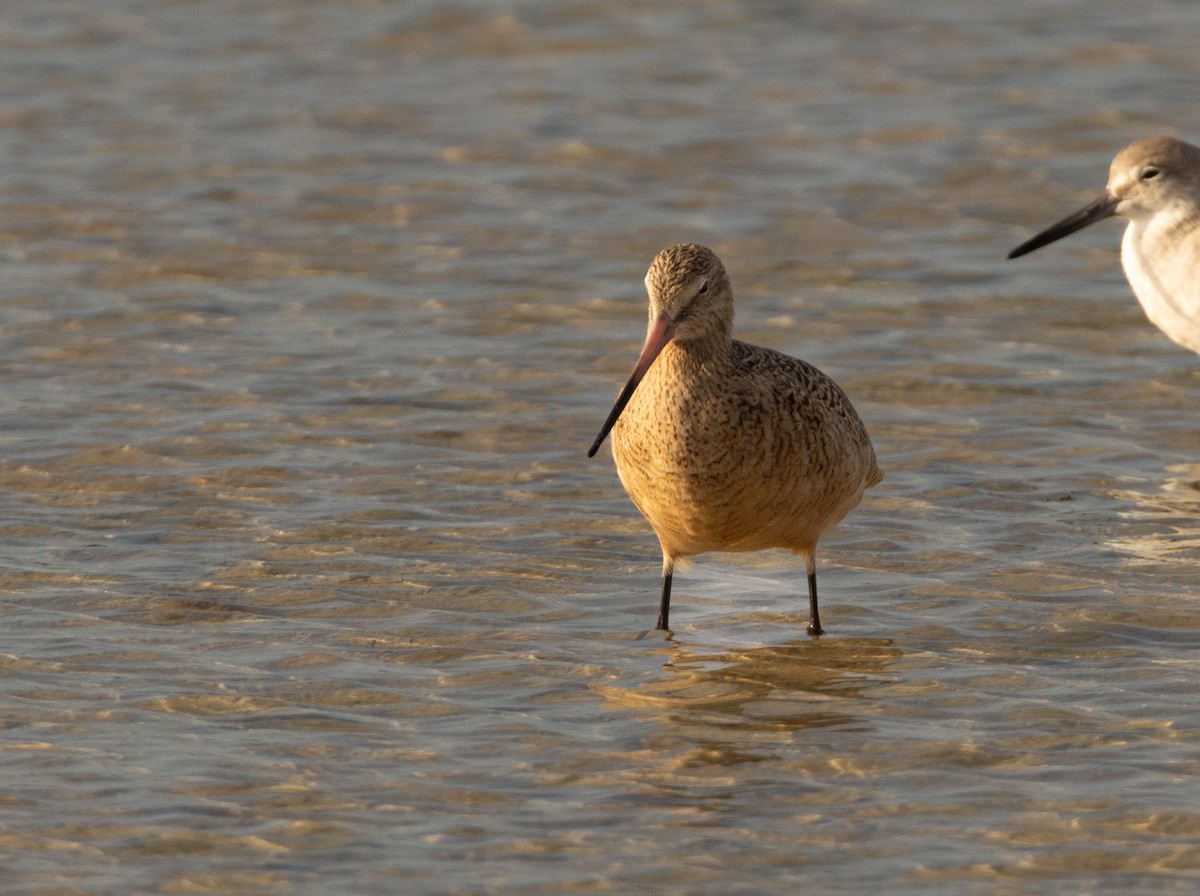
[[309, 315]]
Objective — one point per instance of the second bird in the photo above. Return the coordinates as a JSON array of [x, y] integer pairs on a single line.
[[725, 446], [1155, 184]]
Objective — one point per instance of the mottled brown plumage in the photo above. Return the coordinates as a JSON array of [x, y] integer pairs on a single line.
[[725, 446]]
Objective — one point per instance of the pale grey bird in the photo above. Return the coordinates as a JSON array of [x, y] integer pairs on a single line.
[[1155, 184]]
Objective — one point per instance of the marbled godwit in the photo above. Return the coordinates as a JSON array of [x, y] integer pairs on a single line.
[[1155, 183], [725, 446]]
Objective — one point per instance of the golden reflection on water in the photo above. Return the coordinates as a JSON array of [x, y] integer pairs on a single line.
[[804, 683], [1175, 508]]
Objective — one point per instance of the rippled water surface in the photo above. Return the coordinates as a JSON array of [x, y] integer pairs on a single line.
[[309, 312]]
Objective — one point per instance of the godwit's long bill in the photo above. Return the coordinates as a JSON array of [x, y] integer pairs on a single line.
[[725, 446]]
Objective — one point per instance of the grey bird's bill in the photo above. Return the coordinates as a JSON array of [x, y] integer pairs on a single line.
[[1104, 207]]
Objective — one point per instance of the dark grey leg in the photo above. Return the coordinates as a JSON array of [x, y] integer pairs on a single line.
[[814, 620], [664, 607]]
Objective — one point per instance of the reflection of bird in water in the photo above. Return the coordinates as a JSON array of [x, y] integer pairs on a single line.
[[1155, 183], [1163, 526], [725, 446], [795, 685]]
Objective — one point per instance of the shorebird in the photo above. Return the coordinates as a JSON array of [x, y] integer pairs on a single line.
[[1155, 183], [725, 446]]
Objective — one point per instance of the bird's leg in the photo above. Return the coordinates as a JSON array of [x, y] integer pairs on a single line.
[[814, 615], [664, 607]]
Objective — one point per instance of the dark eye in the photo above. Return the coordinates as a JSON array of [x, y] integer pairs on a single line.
[[1150, 173], [703, 288]]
